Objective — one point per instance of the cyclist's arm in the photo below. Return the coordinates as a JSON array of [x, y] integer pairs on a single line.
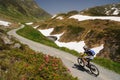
[[82, 54]]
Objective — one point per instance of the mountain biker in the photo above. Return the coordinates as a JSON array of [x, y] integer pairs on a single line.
[[87, 56]]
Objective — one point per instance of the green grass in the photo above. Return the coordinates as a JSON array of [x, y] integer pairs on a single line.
[[32, 34], [109, 64]]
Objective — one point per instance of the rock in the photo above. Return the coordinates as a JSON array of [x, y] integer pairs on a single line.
[[6, 40], [17, 45], [52, 38]]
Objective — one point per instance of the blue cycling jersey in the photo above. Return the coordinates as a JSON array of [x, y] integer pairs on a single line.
[[90, 52]]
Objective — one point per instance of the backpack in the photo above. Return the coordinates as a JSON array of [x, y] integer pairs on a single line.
[[92, 52]]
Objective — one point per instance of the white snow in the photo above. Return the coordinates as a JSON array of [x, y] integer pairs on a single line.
[[30, 23], [107, 12], [53, 16], [77, 46], [83, 17], [58, 35], [46, 32], [59, 17], [36, 26], [5, 23], [116, 12]]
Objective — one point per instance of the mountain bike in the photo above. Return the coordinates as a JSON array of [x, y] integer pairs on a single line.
[[93, 69]]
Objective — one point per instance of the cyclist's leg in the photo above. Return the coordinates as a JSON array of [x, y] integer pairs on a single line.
[[85, 60], [89, 58]]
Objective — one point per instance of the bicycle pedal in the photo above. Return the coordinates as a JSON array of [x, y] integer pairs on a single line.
[[88, 65]]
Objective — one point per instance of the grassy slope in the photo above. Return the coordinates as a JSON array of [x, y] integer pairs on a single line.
[[25, 64], [114, 66], [35, 35], [101, 61]]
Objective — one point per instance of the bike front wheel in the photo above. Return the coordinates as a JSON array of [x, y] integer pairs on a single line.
[[94, 69]]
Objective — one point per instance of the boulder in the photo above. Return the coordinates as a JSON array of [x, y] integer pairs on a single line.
[[52, 38]]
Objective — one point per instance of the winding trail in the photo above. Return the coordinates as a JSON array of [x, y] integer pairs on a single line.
[[69, 60]]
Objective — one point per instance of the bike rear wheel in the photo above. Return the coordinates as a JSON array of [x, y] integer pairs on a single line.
[[94, 69]]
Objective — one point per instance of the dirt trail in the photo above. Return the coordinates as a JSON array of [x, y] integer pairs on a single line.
[[69, 60]]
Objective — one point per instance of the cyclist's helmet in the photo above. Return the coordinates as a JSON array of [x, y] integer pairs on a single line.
[[85, 48]]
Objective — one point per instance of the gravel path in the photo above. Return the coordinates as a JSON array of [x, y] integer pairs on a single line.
[[69, 60]]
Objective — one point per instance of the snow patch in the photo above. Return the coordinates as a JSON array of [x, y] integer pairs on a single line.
[[46, 32], [5, 23], [77, 46], [108, 12], [116, 12], [53, 16], [59, 17], [83, 17], [30, 23], [36, 26], [58, 35]]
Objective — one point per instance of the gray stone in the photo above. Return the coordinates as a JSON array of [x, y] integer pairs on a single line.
[[6, 40], [17, 45], [52, 38]]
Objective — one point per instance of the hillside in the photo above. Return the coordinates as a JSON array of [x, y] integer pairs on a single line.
[[21, 10], [94, 32], [105, 10]]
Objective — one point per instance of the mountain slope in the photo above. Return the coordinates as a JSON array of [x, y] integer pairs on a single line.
[[21, 9], [106, 10], [94, 32]]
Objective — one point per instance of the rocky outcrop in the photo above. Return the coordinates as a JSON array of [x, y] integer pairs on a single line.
[[17, 45], [111, 50], [110, 38], [7, 42], [6, 39]]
